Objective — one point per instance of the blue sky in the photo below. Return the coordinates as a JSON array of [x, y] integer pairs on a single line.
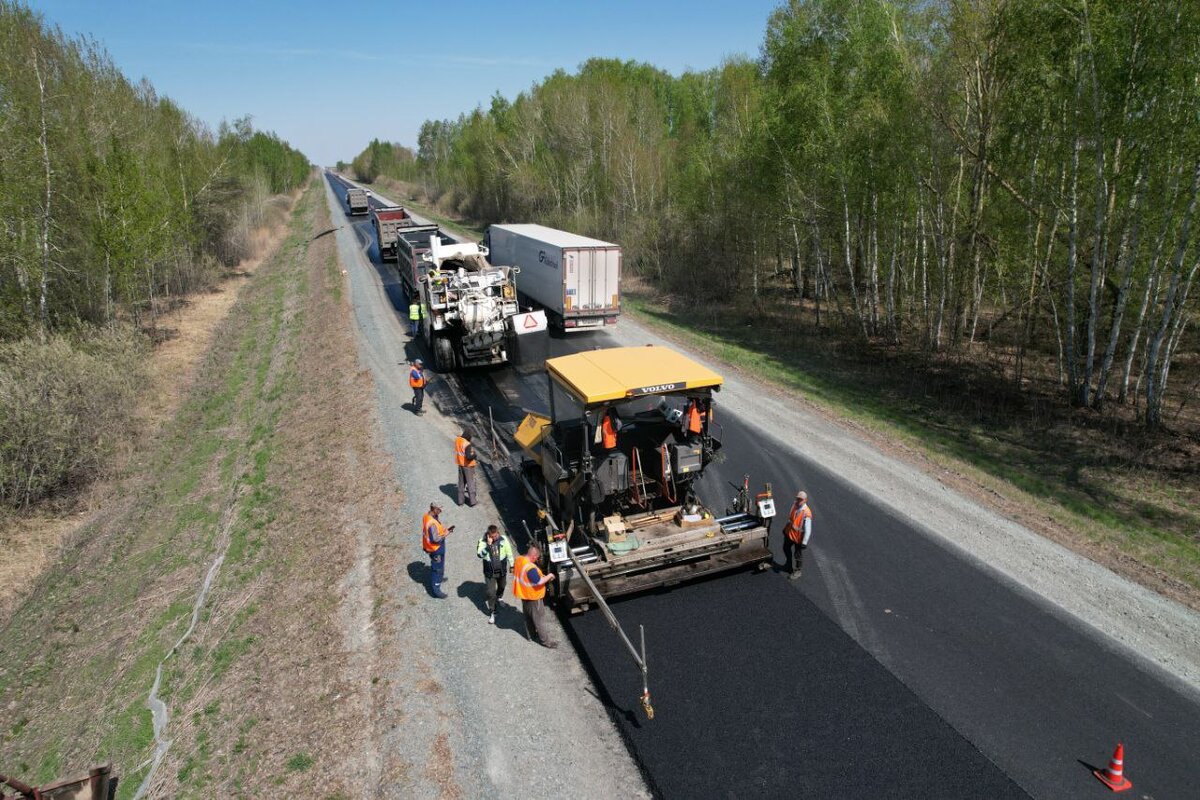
[[330, 76]]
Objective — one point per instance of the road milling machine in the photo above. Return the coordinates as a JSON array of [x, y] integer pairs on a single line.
[[470, 312], [613, 470]]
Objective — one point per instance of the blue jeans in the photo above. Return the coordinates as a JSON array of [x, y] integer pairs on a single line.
[[437, 571], [412, 326]]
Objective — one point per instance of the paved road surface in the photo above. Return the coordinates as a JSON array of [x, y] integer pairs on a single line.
[[898, 666]]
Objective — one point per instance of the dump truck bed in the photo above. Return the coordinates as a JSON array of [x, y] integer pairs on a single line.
[[357, 200]]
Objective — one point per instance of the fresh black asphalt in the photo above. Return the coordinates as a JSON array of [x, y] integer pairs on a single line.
[[897, 666], [758, 694], [1035, 690]]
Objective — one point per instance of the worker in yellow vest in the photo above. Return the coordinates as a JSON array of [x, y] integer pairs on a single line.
[[466, 459], [496, 554], [529, 585], [415, 312], [796, 534], [433, 542]]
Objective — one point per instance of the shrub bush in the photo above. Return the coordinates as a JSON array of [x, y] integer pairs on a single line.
[[65, 405]]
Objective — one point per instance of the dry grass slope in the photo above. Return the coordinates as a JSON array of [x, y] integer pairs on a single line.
[[269, 461]]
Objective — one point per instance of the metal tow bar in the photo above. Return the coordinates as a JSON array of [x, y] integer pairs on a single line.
[[638, 658]]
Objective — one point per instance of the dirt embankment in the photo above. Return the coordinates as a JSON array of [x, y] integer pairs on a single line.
[[30, 542], [267, 462]]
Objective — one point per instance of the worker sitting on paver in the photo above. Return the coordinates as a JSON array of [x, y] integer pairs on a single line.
[[417, 381], [529, 585], [796, 533], [693, 419], [606, 433], [465, 458], [433, 541], [496, 554]]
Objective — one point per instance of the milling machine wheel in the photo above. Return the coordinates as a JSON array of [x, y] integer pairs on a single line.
[[443, 355]]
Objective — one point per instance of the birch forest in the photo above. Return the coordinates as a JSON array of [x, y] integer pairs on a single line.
[[115, 203], [113, 198], [1016, 178]]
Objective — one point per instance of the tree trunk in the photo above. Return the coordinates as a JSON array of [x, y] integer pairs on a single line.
[[1154, 345], [858, 312], [873, 244], [1126, 258], [44, 282], [1072, 261], [890, 307]]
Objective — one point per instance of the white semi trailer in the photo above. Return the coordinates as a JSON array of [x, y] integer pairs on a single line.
[[576, 279]]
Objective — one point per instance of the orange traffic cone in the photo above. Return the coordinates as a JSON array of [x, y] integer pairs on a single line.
[[1114, 777]]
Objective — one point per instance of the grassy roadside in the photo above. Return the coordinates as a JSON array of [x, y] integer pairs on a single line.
[[1145, 526], [254, 468]]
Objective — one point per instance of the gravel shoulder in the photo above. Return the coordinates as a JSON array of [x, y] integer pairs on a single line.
[[476, 710]]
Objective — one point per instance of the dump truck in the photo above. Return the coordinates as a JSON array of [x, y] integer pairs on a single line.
[[387, 222], [470, 315], [357, 201], [575, 279], [612, 470]]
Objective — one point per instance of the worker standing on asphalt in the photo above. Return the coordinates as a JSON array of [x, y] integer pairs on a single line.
[[415, 312], [796, 534], [433, 540], [417, 381], [496, 554], [465, 458], [529, 585]]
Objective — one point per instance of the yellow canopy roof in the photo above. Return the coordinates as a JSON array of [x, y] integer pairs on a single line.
[[597, 376]]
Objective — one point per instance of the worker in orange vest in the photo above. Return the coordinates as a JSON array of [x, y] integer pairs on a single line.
[[465, 458], [796, 534], [529, 585], [693, 419], [417, 381], [433, 542], [609, 427]]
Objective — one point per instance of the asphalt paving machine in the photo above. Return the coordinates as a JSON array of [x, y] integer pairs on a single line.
[[618, 496], [612, 471]]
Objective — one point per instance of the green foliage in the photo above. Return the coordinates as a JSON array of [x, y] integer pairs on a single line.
[[112, 197], [301, 762], [64, 406], [382, 158], [931, 175]]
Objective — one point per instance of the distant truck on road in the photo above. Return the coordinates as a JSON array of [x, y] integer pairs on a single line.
[[576, 279], [356, 200], [388, 222]]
